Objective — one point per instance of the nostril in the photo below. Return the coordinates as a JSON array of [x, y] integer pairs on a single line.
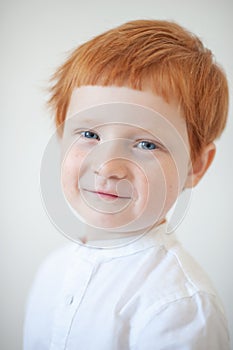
[[112, 170]]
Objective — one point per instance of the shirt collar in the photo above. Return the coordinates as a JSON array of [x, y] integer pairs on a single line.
[[124, 246]]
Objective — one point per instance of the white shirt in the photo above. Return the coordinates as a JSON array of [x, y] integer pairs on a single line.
[[147, 295]]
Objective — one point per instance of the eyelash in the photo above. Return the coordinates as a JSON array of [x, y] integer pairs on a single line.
[[90, 132], [153, 145]]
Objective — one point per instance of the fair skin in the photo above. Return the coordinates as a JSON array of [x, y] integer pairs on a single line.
[[125, 159]]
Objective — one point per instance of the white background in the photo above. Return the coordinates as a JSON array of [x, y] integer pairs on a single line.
[[35, 38]]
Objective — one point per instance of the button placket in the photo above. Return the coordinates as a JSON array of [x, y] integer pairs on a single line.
[[69, 299], [75, 285]]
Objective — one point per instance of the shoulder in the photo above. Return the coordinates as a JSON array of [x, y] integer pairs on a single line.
[[179, 302], [58, 258], [51, 272], [194, 322], [177, 273]]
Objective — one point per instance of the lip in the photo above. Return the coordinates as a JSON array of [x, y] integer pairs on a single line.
[[105, 194]]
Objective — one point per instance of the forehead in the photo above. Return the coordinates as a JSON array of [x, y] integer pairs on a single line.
[[159, 113]]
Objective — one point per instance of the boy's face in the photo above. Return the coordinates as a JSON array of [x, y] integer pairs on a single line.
[[125, 157]]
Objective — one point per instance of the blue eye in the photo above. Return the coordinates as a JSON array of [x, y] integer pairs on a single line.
[[147, 145], [90, 135]]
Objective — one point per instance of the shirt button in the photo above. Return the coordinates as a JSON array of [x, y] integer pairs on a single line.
[[69, 299]]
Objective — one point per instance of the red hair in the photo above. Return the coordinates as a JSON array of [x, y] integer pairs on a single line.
[[171, 59]]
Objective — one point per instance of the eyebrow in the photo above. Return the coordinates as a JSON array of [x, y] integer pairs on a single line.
[[74, 122], [77, 117]]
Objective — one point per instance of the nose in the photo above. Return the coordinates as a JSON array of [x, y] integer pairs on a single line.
[[113, 169], [111, 160]]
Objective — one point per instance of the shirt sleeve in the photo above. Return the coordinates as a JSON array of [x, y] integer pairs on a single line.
[[195, 323]]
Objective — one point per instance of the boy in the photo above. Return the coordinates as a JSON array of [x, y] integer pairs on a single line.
[[137, 109]]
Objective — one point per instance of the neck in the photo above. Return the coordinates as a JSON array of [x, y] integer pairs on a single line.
[[90, 233]]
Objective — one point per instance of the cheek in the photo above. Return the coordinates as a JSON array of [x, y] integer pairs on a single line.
[[70, 169], [151, 188], [162, 184], [173, 183]]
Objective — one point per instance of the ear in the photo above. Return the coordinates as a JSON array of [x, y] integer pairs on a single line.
[[200, 166]]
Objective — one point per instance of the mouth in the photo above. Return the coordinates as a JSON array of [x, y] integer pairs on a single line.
[[107, 195]]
